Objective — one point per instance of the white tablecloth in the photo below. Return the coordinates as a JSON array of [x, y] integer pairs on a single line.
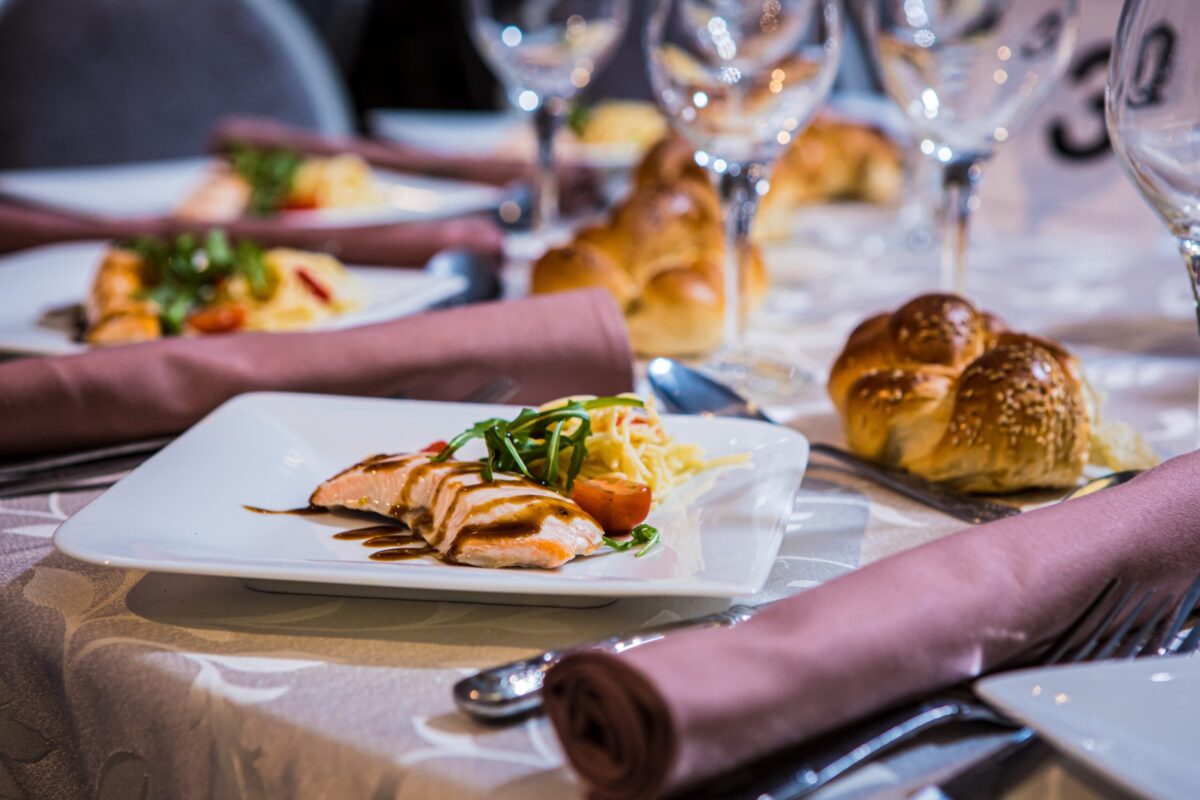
[[124, 684]]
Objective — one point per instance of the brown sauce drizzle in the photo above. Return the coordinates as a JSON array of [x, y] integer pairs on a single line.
[[460, 491], [395, 540], [399, 543], [368, 533], [402, 554], [403, 503], [525, 523], [388, 463], [305, 511]]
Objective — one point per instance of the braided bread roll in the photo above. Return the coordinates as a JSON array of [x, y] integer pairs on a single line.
[[945, 391], [661, 256]]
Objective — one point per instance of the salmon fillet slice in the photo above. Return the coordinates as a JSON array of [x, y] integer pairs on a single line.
[[509, 521]]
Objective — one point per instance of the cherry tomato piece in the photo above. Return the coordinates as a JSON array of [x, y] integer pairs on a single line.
[[615, 503], [435, 447], [218, 319]]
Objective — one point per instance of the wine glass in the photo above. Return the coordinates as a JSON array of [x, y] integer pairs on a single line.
[[1153, 112], [966, 72], [545, 52], [740, 79]]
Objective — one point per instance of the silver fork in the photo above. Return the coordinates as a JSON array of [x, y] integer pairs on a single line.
[[1115, 632], [497, 390], [1004, 768], [99, 468]]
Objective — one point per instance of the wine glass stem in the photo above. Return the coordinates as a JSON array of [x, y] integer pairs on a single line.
[[739, 199], [918, 211], [545, 185], [960, 182], [1190, 248]]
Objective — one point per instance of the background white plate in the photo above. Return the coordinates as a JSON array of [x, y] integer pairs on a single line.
[[502, 134], [1136, 722], [182, 511], [158, 187], [37, 281]]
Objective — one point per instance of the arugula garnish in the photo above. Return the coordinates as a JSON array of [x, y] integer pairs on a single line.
[[270, 173], [533, 442], [644, 535], [183, 274], [578, 117]]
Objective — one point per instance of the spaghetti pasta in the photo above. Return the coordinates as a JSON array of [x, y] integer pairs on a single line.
[[631, 441], [343, 181]]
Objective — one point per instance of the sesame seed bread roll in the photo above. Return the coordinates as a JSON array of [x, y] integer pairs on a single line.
[[943, 390]]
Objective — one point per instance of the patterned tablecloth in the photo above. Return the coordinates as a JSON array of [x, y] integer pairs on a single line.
[[123, 684]]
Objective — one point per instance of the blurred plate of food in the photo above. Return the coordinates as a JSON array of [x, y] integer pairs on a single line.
[[308, 191], [609, 135], [66, 298]]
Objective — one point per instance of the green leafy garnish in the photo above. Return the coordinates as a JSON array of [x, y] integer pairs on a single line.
[[534, 443], [270, 173], [644, 535], [185, 273], [578, 117]]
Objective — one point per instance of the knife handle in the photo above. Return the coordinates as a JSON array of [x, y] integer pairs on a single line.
[[974, 510], [515, 689]]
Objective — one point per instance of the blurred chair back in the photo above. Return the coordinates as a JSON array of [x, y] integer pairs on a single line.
[[101, 81]]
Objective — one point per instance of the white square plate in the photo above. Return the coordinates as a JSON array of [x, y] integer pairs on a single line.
[[158, 187], [37, 283], [1133, 721], [182, 511]]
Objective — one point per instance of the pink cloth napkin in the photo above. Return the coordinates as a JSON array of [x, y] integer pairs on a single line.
[[410, 244], [666, 716], [580, 188], [550, 346]]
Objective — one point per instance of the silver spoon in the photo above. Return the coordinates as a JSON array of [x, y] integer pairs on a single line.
[[1103, 482]]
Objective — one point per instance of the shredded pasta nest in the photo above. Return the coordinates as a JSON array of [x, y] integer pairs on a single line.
[[631, 442]]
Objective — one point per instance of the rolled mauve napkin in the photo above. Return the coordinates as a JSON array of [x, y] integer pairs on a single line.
[[663, 717], [579, 189], [549, 346], [409, 244]]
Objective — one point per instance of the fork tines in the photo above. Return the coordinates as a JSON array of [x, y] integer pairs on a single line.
[[1127, 622]]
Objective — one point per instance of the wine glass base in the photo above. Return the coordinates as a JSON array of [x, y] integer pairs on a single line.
[[758, 375]]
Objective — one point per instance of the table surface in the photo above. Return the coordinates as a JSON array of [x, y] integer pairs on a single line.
[[126, 684]]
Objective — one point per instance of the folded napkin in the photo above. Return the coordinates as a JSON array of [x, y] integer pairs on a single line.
[[666, 716], [550, 346], [579, 189], [410, 244]]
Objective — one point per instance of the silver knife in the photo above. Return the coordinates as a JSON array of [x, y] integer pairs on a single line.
[[515, 689]]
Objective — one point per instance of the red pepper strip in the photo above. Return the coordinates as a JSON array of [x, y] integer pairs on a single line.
[[320, 291]]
